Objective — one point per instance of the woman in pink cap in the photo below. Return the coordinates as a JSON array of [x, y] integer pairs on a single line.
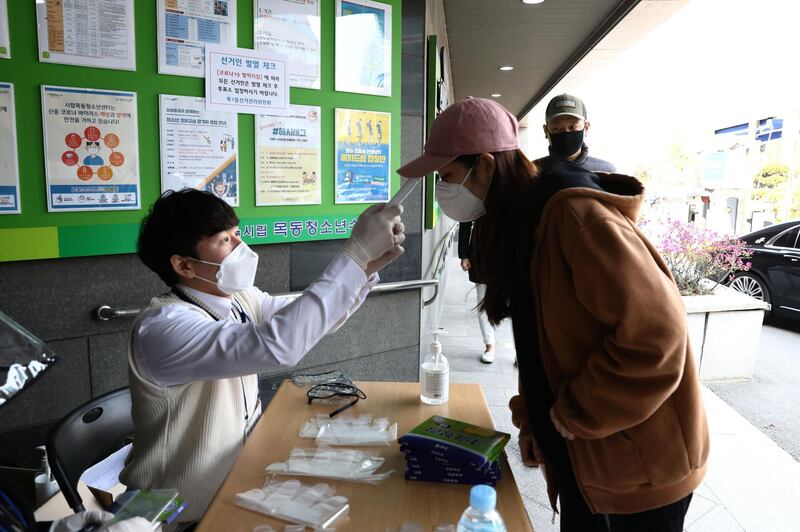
[[609, 396]]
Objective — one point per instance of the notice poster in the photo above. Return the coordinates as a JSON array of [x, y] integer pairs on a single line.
[[184, 29], [245, 81], [94, 33], [5, 39], [288, 157], [292, 29], [362, 156], [91, 149], [199, 148], [364, 47], [9, 168]]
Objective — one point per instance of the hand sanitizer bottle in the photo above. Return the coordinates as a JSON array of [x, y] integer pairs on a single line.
[[44, 482], [435, 374]]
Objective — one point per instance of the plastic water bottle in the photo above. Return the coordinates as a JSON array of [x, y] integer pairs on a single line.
[[481, 515]]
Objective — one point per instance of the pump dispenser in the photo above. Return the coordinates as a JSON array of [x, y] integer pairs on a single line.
[[435, 374], [44, 482]]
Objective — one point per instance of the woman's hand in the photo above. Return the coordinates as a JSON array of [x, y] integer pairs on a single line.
[[528, 448], [465, 264]]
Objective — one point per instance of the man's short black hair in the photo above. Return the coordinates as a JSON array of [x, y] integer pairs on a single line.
[[177, 221]]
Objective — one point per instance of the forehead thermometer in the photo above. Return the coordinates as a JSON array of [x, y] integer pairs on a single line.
[[404, 192]]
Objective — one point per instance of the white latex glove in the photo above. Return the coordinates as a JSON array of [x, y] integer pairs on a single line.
[[395, 251], [75, 522], [375, 234]]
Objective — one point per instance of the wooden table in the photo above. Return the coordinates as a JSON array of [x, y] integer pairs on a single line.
[[373, 508]]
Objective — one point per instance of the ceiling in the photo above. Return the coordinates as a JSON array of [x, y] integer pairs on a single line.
[[543, 42]]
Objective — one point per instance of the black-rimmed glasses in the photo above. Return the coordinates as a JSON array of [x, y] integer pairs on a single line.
[[335, 389]]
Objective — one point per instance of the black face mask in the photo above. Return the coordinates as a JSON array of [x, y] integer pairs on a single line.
[[566, 143]]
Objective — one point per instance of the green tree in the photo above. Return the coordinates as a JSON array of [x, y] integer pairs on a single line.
[[683, 166], [644, 174], [794, 209], [770, 184]]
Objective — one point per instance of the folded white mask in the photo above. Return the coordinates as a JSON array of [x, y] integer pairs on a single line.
[[289, 500], [325, 462], [358, 431]]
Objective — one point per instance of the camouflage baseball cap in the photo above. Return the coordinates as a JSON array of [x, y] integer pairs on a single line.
[[565, 104]]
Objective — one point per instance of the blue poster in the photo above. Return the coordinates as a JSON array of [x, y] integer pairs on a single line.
[[362, 156]]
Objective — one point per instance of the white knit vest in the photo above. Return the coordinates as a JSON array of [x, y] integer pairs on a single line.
[[187, 436]]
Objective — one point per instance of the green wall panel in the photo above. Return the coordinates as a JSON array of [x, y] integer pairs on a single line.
[[28, 243], [70, 234], [97, 239]]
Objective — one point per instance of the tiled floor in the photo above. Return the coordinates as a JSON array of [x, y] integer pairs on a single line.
[[751, 485]]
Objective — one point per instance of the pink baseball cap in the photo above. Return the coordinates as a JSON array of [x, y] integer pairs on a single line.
[[471, 126]]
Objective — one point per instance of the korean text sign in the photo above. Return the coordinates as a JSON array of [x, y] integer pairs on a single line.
[[245, 81]]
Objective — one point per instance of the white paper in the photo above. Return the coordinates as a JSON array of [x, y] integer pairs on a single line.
[[5, 39], [91, 149], [9, 165], [104, 475], [292, 29], [95, 33], [199, 148], [288, 157], [185, 27], [245, 81], [364, 47]]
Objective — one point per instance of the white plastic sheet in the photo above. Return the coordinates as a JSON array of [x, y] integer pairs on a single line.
[[355, 431], [326, 462], [290, 500]]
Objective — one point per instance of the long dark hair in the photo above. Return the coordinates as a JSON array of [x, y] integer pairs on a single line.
[[503, 237]]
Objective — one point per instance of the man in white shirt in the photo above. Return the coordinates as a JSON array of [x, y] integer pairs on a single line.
[[195, 352]]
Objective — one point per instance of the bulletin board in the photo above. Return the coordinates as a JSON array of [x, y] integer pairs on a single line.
[[39, 234]]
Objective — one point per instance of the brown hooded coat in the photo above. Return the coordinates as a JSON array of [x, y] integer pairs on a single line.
[[614, 345]]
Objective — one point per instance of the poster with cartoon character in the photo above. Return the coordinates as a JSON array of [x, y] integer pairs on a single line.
[[9, 167], [91, 149], [199, 148], [288, 157], [362, 156]]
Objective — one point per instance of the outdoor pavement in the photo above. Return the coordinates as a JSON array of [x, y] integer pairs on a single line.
[[770, 399], [752, 484]]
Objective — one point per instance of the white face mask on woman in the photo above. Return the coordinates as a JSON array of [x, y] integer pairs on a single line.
[[237, 271], [458, 202]]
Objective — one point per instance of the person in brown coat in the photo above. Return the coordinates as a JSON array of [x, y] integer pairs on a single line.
[[610, 403]]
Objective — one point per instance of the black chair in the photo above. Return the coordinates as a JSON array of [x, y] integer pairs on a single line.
[[85, 436]]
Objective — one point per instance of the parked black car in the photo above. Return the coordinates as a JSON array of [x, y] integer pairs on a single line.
[[774, 276]]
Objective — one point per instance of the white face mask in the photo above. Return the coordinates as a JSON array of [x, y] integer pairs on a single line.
[[458, 202], [237, 271]]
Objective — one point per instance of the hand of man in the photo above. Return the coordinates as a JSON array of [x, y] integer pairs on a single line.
[[465, 264], [396, 250], [75, 522], [560, 426], [377, 231]]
